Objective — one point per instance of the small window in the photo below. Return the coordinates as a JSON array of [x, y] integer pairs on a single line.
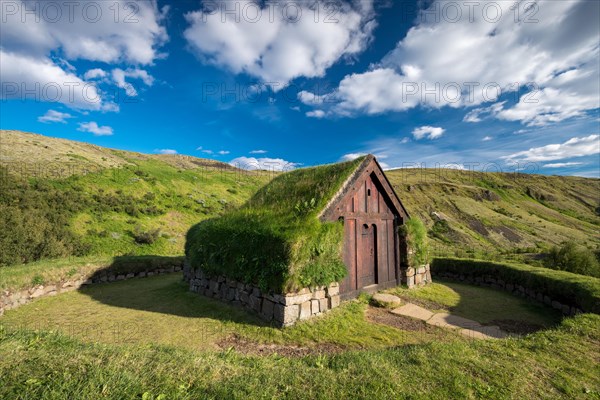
[[368, 192], [365, 229]]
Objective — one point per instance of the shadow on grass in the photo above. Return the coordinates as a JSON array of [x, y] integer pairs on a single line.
[[165, 292], [485, 305]]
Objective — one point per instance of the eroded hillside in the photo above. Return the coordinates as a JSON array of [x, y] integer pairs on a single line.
[[490, 213]]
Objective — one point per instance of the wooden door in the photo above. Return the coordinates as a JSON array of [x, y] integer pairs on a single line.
[[367, 256]]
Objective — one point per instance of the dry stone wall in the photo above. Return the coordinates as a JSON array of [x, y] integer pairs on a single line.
[[279, 309], [416, 277], [13, 299], [515, 289]]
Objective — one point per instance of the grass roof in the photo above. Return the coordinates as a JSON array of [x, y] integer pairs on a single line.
[[276, 240]]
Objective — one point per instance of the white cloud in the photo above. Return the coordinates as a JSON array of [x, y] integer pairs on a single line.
[[88, 29], [207, 151], [269, 164], [477, 114], [487, 138], [457, 166], [574, 147], [34, 32], [555, 104], [428, 132], [165, 151], [405, 140], [54, 116], [471, 61], [383, 165], [95, 73], [93, 127], [373, 92], [352, 156], [316, 114], [118, 76], [312, 99], [258, 152], [265, 44], [224, 152], [562, 165], [39, 79]]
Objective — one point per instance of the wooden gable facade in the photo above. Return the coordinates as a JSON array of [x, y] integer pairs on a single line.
[[371, 212]]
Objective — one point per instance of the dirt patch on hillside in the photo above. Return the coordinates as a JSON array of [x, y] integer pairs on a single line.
[[249, 347], [488, 195], [477, 226], [539, 195], [509, 234]]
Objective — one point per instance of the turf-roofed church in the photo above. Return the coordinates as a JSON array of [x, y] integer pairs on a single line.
[[302, 243]]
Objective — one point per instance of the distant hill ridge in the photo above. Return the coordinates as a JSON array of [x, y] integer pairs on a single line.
[[481, 214], [19, 149]]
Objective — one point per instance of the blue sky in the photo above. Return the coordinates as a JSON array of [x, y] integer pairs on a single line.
[[293, 83]]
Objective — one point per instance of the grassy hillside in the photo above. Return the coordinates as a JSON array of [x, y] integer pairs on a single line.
[[487, 214], [142, 205], [99, 201], [31, 154]]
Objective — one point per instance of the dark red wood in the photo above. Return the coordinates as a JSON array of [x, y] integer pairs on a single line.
[[367, 268], [371, 212]]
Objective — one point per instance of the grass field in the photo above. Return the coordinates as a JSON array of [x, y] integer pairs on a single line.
[[148, 338], [152, 339], [484, 305], [160, 310]]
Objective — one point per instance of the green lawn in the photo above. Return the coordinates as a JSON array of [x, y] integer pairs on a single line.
[[481, 304], [161, 310], [560, 363], [152, 339]]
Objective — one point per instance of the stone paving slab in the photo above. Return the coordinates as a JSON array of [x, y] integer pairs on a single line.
[[446, 320], [465, 326], [387, 300], [413, 311]]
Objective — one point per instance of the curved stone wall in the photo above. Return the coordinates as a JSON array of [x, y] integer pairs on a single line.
[[517, 290], [13, 299]]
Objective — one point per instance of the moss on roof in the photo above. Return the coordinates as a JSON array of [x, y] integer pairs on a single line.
[[276, 240]]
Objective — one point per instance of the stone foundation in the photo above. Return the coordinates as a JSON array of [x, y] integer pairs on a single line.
[[415, 277], [14, 299], [279, 309]]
